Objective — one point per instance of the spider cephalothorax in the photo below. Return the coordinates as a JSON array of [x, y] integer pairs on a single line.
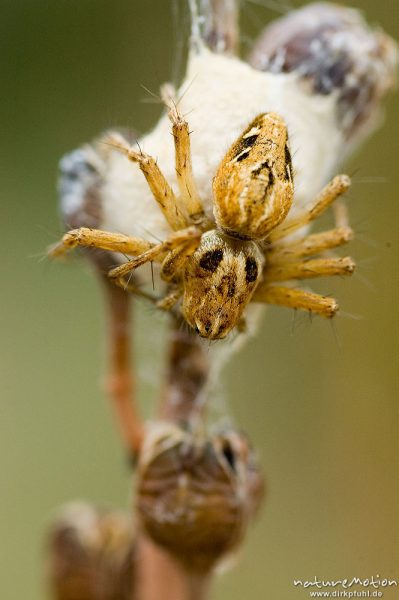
[[217, 266], [219, 281]]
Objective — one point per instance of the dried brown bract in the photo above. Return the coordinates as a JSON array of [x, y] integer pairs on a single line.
[[91, 555], [196, 495]]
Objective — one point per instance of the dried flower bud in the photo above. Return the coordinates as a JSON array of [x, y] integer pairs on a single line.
[[197, 494], [333, 51], [91, 554]]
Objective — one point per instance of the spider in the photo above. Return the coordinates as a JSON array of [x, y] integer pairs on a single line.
[[217, 266]]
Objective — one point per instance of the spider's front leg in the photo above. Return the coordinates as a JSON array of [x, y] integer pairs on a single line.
[[184, 170], [172, 271], [186, 240], [85, 237], [170, 205]]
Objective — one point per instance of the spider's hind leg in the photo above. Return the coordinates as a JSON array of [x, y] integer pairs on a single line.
[[288, 260], [296, 298], [329, 194], [310, 245]]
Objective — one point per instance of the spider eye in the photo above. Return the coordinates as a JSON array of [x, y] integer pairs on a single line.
[[211, 260], [251, 269]]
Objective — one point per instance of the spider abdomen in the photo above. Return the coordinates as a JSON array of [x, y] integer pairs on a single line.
[[253, 187]]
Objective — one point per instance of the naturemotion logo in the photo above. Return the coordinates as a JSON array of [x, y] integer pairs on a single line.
[[371, 587]]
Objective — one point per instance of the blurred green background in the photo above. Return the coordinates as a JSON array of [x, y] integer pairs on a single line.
[[321, 405]]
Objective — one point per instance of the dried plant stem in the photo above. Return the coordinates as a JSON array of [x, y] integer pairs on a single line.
[[183, 397], [159, 574], [120, 380], [160, 577], [215, 24]]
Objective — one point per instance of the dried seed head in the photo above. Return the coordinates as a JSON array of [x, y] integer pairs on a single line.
[[333, 52], [196, 495], [91, 554]]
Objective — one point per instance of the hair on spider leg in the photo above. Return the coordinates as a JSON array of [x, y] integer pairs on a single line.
[[43, 255], [347, 315], [40, 256], [365, 179], [129, 279], [189, 112], [51, 233], [149, 101], [359, 274], [299, 319], [156, 97], [303, 319], [294, 321], [131, 274], [337, 339], [369, 180], [352, 174], [366, 282], [149, 233], [184, 92]]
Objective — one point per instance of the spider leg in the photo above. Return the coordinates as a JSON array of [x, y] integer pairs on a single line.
[[186, 237], [184, 170], [169, 301], [296, 298], [169, 204], [96, 238], [310, 245], [130, 287], [309, 269], [337, 186], [176, 260], [166, 303]]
